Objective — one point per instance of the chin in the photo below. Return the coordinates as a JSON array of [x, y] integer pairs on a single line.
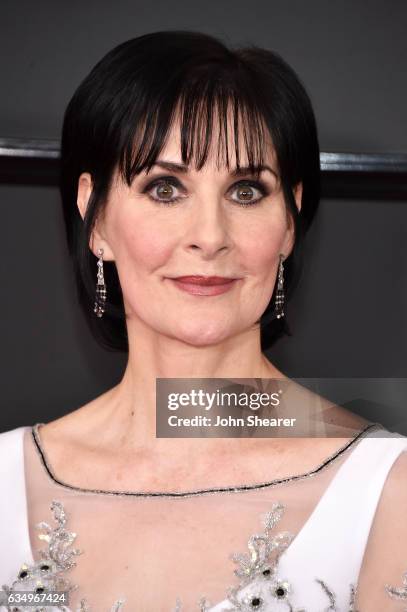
[[202, 335]]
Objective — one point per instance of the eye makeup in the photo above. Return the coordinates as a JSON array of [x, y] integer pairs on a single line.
[[173, 182]]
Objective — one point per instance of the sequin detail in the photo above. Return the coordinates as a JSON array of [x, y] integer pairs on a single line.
[[258, 569], [46, 574], [260, 586], [398, 592]]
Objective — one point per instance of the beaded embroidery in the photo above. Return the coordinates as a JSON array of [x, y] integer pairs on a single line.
[[260, 587], [398, 592], [258, 569], [46, 574]]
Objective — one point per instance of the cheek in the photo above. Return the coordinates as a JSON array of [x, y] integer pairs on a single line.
[[261, 245], [141, 249], [140, 246]]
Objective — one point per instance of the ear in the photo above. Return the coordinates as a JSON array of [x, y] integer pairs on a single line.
[[288, 244], [298, 195], [97, 238]]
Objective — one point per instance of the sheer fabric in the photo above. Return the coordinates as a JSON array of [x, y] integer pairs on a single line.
[[167, 553]]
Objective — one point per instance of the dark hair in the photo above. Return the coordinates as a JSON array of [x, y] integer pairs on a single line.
[[121, 113]]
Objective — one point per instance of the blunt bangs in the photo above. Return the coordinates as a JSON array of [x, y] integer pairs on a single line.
[[202, 106]]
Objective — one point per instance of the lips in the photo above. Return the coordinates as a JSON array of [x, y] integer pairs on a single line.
[[204, 285], [204, 280]]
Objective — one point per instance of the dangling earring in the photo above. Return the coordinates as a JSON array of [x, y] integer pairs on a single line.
[[279, 301], [99, 308]]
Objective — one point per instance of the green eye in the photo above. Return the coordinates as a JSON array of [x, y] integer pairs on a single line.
[[164, 189], [168, 190], [246, 191]]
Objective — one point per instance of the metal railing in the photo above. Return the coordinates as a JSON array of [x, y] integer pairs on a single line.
[[344, 175]]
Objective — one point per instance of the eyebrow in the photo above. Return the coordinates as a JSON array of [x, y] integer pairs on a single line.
[[176, 167]]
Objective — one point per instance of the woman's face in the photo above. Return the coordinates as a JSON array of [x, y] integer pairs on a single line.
[[175, 222]]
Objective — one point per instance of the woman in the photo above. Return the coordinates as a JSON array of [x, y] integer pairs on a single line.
[[183, 158]]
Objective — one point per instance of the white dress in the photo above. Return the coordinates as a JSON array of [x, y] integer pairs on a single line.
[[294, 544]]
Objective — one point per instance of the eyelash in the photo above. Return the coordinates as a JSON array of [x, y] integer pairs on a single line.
[[173, 181]]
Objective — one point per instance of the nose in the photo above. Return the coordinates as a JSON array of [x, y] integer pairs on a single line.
[[208, 230]]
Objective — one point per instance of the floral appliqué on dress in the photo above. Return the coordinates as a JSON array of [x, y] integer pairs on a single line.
[[257, 569], [398, 592]]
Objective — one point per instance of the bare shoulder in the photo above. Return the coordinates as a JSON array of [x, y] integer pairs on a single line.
[[395, 488], [391, 511], [323, 417], [74, 441], [76, 427], [385, 557]]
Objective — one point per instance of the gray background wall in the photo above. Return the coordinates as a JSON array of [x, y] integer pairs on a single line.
[[348, 317]]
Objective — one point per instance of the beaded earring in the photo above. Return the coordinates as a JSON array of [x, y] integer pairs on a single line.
[[279, 301], [277, 311], [101, 292]]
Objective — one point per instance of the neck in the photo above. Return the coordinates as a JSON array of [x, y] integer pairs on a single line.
[[128, 414]]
